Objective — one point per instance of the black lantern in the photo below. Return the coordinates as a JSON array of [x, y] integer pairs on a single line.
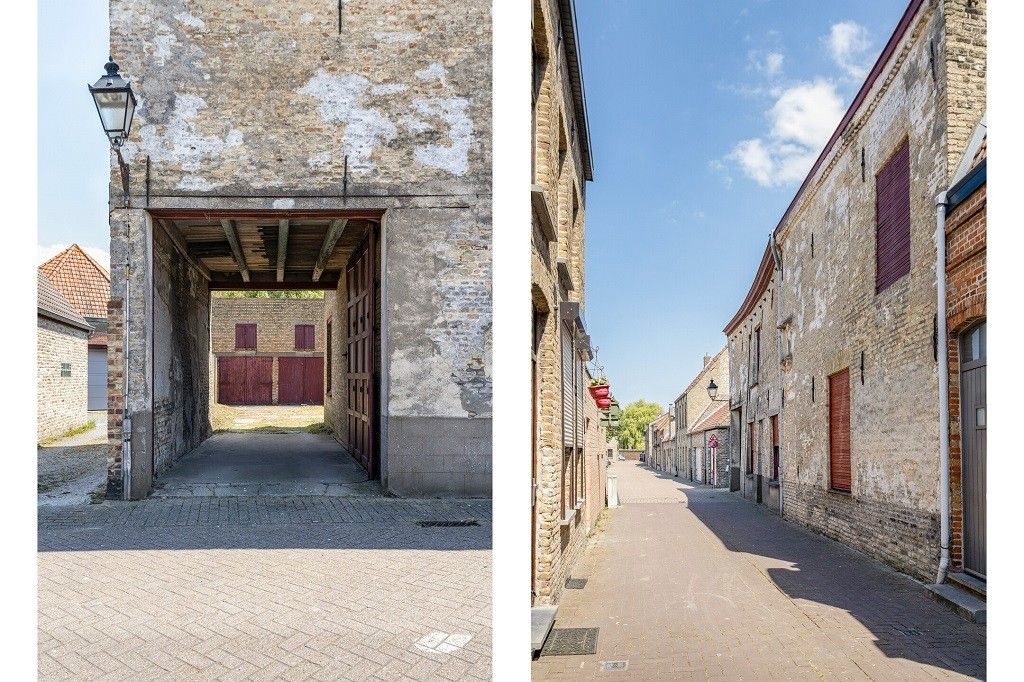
[[712, 389], [115, 103]]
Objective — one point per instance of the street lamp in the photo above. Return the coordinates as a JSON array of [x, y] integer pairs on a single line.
[[713, 392], [115, 104]]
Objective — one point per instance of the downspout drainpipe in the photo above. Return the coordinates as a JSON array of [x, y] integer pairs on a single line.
[[943, 363], [778, 332]]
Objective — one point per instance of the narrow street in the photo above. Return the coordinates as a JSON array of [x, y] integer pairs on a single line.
[[687, 582], [265, 588]]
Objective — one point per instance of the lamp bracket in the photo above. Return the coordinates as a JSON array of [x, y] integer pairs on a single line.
[[125, 174]]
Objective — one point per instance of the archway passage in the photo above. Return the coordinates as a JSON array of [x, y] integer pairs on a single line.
[[262, 321]]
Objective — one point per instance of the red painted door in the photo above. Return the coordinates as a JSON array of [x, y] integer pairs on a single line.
[[300, 380], [245, 380], [360, 375]]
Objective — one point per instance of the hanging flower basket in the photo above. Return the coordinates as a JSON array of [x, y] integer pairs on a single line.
[[600, 391], [603, 403]]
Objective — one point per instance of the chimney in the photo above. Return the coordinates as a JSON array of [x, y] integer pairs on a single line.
[[707, 359]]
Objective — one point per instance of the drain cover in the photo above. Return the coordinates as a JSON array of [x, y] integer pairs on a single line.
[[614, 665], [575, 583], [447, 524], [570, 642]]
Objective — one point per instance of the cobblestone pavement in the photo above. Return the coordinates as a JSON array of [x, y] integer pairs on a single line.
[[693, 583], [265, 589]]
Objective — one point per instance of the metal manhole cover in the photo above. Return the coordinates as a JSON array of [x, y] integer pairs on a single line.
[[614, 665], [570, 642], [575, 583], [447, 524]]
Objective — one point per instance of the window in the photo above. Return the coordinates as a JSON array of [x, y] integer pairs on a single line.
[[892, 219], [330, 357], [65, 369], [775, 447], [755, 356], [305, 337], [245, 336], [750, 447], [839, 430]]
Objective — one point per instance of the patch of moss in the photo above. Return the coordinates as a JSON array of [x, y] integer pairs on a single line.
[[78, 430]]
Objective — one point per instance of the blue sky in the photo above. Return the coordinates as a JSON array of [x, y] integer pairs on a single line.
[[704, 119], [74, 155]]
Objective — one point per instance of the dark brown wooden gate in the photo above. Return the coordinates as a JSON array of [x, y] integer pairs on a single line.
[[360, 374], [974, 422], [839, 430], [245, 380], [300, 380]]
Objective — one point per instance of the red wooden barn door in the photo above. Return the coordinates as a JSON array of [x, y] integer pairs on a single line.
[[359, 377], [839, 430], [245, 380], [300, 380]]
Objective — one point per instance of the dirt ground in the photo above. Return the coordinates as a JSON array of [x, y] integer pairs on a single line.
[[265, 417], [69, 470]]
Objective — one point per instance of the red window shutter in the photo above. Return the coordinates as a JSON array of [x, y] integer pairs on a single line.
[[305, 338], [245, 336], [892, 219], [839, 430]]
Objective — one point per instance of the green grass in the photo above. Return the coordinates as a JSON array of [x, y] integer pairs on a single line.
[[317, 428], [78, 430]]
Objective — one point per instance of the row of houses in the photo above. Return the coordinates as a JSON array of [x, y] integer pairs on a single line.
[[570, 433], [856, 362]]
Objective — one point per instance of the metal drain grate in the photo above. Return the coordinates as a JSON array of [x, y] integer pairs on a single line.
[[614, 665], [570, 642], [447, 524], [575, 583]]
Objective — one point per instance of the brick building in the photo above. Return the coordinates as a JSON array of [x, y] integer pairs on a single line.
[[709, 445], [694, 405], [852, 285], [569, 441], [755, 390], [299, 145], [85, 284], [61, 362], [267, 351], [966, 294]]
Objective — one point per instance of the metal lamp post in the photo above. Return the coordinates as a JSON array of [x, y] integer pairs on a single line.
[[115, 103]]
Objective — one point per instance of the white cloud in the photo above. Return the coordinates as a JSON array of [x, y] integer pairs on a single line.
[[847, 42], [800, 123], [46, 252], [768, 63]]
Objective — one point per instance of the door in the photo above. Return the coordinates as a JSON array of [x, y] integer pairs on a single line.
[[360, 374], [245, 380], [300, 380], [839, 431], [97, 379], [972, 432]]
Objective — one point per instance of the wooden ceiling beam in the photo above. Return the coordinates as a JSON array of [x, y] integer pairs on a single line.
[[282, 247], [330, 239], [236, 249]]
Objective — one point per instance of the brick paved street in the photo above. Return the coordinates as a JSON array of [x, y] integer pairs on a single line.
[[694, 583], [265, 589]]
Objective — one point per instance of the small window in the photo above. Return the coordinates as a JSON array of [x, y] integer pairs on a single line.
[[305, 337], [755, 357], [330, 357], [65, 369], [245, 336], [892, 219]]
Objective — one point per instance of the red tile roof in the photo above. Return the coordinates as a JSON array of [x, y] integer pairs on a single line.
[[717, 419], [49, 303], [80, 279]]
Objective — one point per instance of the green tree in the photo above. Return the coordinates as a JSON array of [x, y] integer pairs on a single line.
[[635, 418], [285, 294]]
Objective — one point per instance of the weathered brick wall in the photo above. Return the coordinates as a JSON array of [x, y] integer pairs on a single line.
[[966, 299], [965, 72], [293, 106], [558, 169], [838, 321], [60, 401], [688, 408], [275, 321]]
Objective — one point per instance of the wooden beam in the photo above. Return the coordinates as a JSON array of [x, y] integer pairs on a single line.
[[330, 239], [174, 235], [282, 247], [236, 248]]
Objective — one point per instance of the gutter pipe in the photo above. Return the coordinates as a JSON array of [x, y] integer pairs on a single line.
[[941, 352]]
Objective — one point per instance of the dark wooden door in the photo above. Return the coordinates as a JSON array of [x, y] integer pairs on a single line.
[[300, 380], [972, 432], [360, 374], [839, 430], [245, 380]]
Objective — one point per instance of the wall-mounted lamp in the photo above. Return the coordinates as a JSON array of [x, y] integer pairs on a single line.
[[713, 392], [115, 104]]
